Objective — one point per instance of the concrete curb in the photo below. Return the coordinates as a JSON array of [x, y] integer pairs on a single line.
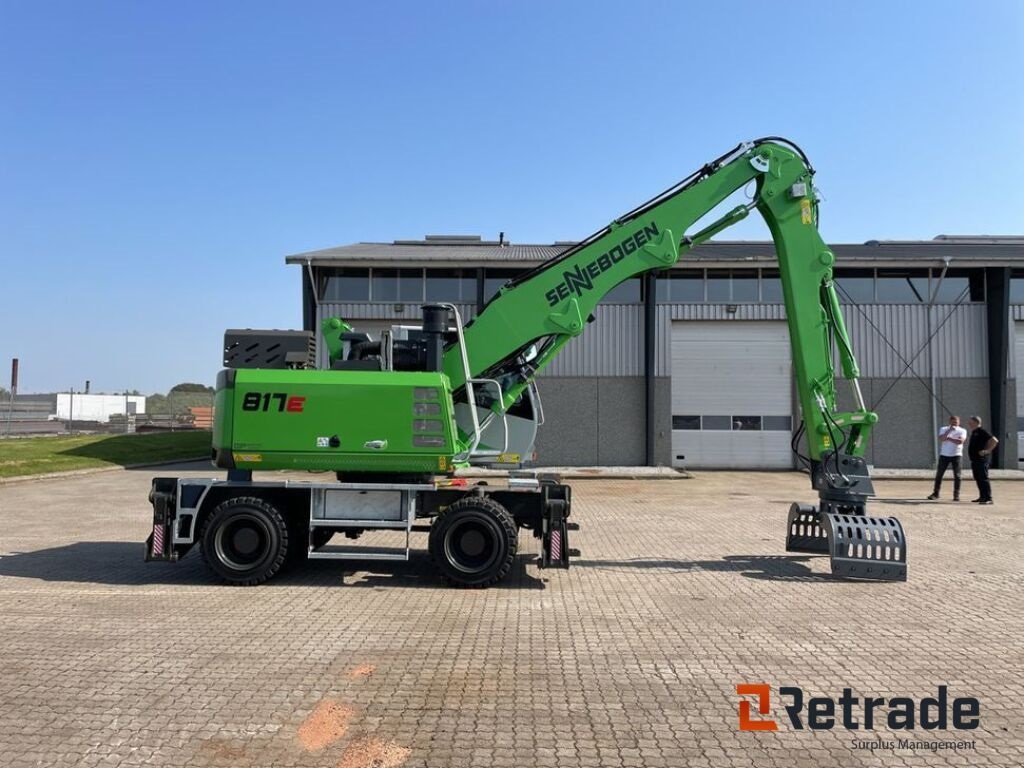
[[929, 474], [93, 471], [590, 473]]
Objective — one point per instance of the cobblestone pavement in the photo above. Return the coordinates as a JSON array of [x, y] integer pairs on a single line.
[[631, 658]]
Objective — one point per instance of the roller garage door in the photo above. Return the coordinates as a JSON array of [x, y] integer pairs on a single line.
[[731, 395], [1018, 353]]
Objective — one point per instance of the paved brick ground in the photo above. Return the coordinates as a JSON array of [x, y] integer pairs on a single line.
[[630, 659]]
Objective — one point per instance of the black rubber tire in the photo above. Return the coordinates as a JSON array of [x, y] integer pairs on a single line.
[[245, 540], [474, 542]]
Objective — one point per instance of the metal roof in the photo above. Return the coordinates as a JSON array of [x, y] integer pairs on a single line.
[[428, 252], [980, 250]]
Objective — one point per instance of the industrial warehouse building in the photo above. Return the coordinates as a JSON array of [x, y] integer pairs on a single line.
[[937, 325]]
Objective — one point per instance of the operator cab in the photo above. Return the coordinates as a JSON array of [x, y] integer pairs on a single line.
[[506, 436]]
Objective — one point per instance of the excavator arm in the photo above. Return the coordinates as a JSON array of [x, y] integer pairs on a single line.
[[532, 317]]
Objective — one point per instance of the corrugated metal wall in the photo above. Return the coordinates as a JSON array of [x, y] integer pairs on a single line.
[[958, 348], [613, 344], [1016, 313]]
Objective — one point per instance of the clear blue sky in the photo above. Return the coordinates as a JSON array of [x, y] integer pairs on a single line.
[[159, 160]]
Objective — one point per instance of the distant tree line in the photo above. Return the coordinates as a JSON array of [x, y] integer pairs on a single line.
[[180, 398]]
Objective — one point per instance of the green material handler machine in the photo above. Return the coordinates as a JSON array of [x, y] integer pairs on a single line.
[[394, 418]]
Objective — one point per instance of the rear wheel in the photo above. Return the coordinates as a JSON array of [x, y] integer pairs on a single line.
[[474, 542], [245, 540]]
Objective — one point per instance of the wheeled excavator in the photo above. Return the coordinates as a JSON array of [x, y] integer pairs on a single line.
[[395, 417]]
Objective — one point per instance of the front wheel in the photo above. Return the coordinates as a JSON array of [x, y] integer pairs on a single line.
[[245, 540], [474, 542]]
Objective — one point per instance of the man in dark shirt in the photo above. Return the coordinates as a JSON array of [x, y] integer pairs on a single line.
[[979, 451]]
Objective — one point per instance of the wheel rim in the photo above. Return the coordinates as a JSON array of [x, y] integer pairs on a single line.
[[472, 546], [243, 542]]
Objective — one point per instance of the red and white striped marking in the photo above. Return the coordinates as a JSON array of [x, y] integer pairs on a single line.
[[556, 545], [158, 540]]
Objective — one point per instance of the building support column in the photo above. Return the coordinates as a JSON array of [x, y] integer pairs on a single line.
[[308, 301], [997, 315], [650, 325], [480, 298]]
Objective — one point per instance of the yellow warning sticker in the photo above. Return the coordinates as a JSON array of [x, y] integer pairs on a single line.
[[805, 211], [249, 458], [442, 462], [509, 458], [826, 441]]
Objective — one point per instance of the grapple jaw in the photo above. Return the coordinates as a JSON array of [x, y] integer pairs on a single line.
[[804, 532], [866, 547], [858, 546]]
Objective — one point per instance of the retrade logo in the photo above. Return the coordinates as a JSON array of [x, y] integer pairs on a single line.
[[823, 713], [763, 693]]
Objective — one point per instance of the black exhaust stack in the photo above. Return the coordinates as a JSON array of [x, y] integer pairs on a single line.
[[435, 326]]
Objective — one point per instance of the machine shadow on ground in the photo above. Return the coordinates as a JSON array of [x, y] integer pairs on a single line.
[[114, 449], [185, 448], [761, 567], [121, 563]]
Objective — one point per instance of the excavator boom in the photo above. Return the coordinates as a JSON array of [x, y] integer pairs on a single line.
[[552, 303]]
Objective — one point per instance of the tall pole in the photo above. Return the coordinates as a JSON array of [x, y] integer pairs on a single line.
[[650, 336], [14, 391], [931, 346], [71, 412], [997, 306]]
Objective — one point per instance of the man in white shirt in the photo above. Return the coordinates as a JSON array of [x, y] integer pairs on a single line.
[[951, 451]]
